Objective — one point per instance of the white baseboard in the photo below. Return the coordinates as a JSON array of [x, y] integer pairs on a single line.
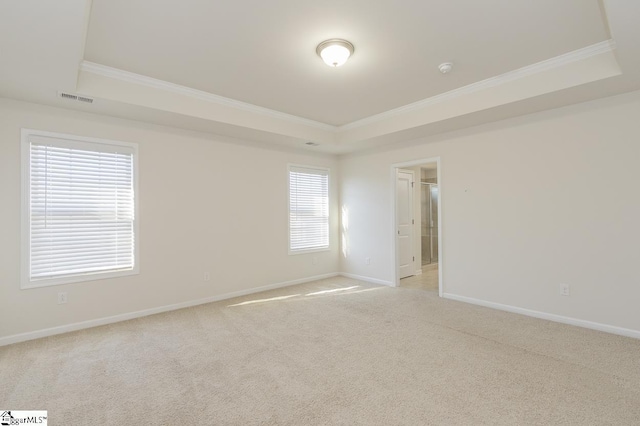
[[368, 279], [16, 338], [547, 316]]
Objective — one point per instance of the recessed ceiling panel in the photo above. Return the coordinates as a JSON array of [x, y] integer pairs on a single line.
[[263, 52]]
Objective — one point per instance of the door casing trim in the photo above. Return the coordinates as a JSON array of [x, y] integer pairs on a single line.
[[394, 222]]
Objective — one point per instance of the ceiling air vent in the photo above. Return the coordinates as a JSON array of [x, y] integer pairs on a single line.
[[73, 97]]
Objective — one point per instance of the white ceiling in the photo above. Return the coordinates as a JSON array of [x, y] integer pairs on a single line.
[[249, 69], [263, 52]]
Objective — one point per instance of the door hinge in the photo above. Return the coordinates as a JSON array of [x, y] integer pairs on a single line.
[[398, 232], [414, 258], [412, 184], [413, 222]]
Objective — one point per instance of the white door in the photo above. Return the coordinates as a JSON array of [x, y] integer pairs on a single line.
[[404, 218]]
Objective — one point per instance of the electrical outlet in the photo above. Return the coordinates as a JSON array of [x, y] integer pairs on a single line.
[[62, 297], [207, 276], [565, 290], [367, 261]]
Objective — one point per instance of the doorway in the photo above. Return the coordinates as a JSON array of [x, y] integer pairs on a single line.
[[417, 224], [405, 182]]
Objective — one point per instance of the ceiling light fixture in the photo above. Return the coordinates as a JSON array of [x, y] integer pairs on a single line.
[[335, 52]]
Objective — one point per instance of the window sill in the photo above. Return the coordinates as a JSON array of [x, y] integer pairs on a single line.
[[306, 251], [28, 284]]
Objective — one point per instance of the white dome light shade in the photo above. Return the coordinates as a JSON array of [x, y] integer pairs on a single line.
[[335, 52], [335, 55]]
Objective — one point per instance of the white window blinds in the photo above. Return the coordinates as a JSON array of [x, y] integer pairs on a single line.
[[308, 209], [81, 208]]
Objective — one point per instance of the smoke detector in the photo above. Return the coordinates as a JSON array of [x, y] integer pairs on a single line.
[[445, 68]]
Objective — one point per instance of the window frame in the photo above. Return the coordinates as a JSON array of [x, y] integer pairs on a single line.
[[309, 250], [25, 215]]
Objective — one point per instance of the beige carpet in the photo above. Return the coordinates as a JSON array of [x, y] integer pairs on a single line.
[[357, 354]]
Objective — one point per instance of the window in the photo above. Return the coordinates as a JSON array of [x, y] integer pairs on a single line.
[[79, 209], [308, 209]]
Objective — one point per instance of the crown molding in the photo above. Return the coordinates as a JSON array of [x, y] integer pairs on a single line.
[[130, 77], [539, 67], [546, 65]]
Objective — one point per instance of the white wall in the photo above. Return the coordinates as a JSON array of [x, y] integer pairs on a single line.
[[527, 204], [205, 205]]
